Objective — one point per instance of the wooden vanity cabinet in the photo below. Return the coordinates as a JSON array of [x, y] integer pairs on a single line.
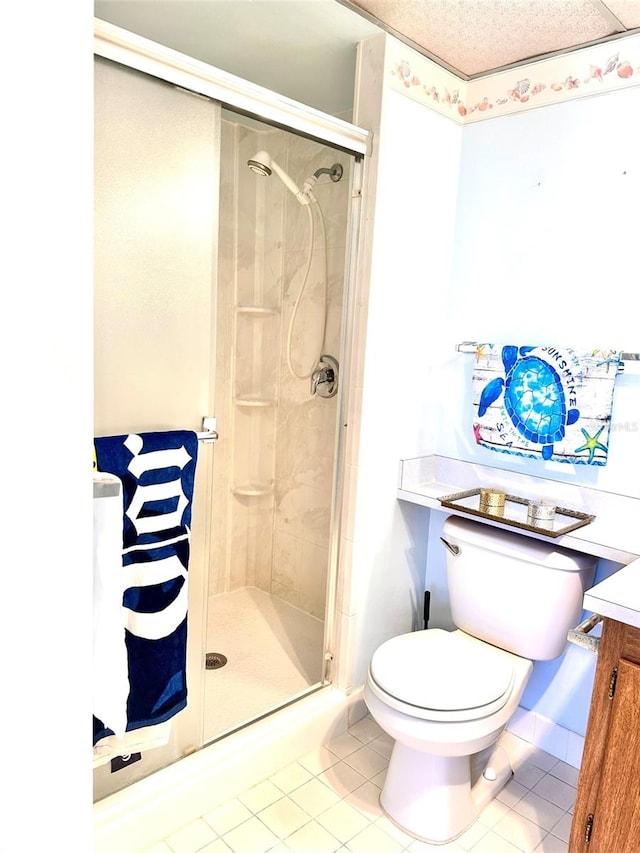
[[607, 810]]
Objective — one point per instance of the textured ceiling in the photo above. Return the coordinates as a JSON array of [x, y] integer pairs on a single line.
[[475, 37]]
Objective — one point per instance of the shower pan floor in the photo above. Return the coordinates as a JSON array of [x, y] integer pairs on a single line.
[[274, 652]]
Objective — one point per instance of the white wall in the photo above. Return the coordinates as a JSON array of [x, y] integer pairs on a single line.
[[546, 252], [519, 228], [415, 164]]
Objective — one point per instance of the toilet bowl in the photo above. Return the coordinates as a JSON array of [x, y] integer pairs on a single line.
[[445, 697], [458, 707]]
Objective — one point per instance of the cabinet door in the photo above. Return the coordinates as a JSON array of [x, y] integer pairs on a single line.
[[616, 825]]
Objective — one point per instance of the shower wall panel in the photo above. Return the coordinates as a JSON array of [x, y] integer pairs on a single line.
[[306, 428], [277, 466]]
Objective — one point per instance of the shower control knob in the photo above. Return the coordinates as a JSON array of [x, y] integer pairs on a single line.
[[324, 379]]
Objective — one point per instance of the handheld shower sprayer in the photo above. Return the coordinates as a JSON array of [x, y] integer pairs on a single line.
[[263, 163]]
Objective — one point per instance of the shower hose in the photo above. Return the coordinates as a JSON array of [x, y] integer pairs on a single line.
[[295, 373]]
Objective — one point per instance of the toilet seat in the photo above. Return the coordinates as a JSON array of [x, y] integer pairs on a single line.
[[442, 675]]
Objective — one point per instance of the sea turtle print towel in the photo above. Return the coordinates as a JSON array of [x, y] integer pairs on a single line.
[[545, 402]]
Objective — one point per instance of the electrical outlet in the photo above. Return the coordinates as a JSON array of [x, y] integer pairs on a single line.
[[124, 761]]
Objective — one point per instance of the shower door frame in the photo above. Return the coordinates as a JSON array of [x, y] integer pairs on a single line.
[[141, 54], [247, 98]]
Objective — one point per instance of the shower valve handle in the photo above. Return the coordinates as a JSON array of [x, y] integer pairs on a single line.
[[316, 376], [324, 375], [324, 379]]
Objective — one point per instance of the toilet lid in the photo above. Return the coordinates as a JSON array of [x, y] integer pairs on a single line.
[[442, 670]]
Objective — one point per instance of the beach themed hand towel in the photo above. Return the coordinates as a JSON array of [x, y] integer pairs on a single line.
[[157, 471], [544, 402]]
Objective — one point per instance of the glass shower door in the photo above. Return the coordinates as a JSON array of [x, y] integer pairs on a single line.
[[156, 210], [210, 283]]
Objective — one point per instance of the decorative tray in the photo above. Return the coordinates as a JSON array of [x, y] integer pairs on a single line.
[[515, 513]]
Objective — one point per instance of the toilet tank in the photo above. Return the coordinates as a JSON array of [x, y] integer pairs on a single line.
[[515, 592]]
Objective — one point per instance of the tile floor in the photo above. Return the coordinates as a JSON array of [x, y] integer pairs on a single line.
[[328, 801]]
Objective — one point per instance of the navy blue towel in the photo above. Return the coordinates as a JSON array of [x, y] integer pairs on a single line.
[[157, 471]]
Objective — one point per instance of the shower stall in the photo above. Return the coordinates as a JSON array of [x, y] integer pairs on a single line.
[[280, 299], [224, 254]]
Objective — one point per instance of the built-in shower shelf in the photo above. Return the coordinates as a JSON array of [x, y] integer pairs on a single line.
[[253, 402], [257, 310], [253, 490]]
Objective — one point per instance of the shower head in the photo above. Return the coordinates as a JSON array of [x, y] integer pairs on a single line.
[[260, 164], [263, 164]]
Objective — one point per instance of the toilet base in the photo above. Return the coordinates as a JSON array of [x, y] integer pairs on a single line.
[[436, 798]]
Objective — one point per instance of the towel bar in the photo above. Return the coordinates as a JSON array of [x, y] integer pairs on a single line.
[[209, 432], [472, 346]]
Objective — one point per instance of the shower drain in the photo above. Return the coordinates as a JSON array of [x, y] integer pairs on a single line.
[[214, 660]]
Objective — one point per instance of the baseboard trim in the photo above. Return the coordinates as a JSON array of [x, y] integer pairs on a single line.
[[547, 735]]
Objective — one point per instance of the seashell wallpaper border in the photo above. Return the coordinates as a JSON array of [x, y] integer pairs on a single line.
[[589, 71]]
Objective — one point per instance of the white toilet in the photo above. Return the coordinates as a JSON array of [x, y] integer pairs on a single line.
[[446, 696]]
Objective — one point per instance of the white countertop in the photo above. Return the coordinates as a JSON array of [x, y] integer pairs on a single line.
[[618, 596], [613, 535]]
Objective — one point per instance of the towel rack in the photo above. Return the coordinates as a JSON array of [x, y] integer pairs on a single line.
[[472, 346], [209, 432]]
